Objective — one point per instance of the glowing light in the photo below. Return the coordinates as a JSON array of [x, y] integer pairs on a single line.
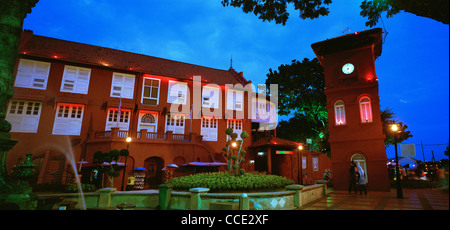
[[394, 127], [55, 56], [234, 144], [300, 147], [128, 139]]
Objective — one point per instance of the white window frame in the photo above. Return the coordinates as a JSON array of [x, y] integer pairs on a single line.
[[122, 85], [237, 126], [210, 97], [151, 88], [113, 119], [34, 76], [177, 92], [339, 113], [235, 100], [175, 123], [209, 128], [365, 108], [68, 119], [147, 126], [24, 115], [78, 84]]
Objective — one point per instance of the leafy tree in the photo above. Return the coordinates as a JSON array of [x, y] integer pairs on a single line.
[[387, 117], [277, 9], [12, 14], [301, 91], [111, 159]]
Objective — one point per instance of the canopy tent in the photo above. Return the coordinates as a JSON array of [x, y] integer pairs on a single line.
[[205, 164]]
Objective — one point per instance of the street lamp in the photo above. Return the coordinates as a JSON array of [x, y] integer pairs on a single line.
[[300, 168], [396, 131], [128, 140]]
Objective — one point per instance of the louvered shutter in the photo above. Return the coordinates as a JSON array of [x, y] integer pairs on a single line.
[[128, 87], [82, 84]]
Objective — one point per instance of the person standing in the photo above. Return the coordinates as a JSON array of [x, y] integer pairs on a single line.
[[362, 181], [353, 177]]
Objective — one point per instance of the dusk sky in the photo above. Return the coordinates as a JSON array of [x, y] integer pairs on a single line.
[[413, 69]]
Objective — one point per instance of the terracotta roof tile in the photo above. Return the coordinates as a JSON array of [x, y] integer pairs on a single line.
[[52, 48]]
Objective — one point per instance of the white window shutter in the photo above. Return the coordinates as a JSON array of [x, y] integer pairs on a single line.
[[30, 124], [82, 85], [69, 79], [24, 74], [60, 126], [16, 122], [128, 87]]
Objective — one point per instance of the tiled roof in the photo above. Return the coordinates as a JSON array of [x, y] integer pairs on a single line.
[[274, 141], [52, 48]]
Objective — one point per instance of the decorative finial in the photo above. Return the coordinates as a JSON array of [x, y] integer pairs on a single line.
[[231, 62]]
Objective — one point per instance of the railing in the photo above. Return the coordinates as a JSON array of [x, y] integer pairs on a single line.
[[181, 137], [141, 135]]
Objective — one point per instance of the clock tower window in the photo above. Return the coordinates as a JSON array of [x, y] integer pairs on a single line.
[[365, 110]]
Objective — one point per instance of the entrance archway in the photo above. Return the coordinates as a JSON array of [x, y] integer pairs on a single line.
[[154, 174], [360, 160]]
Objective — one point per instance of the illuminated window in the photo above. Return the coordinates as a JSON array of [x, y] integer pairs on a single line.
[[24, 115], [175, 123], [114, 120], [210, 97], [209, 129], [236, 125], [148, 121], [177, 92], [75, 80], [68, 119], [235, 100], [365, 110], [150, 91], [339, 112], [32, 74], [122, 85], [315, 163]]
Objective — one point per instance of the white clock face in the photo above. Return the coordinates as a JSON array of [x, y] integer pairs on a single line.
[[348, 68]]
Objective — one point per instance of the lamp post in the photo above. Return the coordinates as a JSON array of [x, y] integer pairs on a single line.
[[300, 165], [128, 140], [396, 131]]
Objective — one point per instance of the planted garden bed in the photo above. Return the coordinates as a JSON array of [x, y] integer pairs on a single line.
[[229, 182]]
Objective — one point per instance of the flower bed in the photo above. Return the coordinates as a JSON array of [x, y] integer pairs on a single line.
[[227, 182]]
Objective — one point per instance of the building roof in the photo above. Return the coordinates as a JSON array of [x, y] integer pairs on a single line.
[[372, 37], [274, 141], [67, 51]]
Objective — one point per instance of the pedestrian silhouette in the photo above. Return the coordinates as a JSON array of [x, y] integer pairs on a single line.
[[353, 177]]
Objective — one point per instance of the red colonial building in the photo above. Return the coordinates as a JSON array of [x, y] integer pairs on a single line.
[[67, 98], [72, 99]]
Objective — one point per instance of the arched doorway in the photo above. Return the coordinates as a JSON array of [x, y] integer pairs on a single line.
[[154, 174], [360, 160]]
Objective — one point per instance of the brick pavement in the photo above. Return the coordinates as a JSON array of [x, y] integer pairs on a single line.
[[413, 199]]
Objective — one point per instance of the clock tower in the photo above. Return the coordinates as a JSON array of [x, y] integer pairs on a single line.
[[353, 105]]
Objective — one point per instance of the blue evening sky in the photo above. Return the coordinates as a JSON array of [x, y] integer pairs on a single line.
[[413, 70]]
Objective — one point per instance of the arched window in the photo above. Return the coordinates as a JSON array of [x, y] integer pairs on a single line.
[[339, 112], [365, 109], [360, 160]]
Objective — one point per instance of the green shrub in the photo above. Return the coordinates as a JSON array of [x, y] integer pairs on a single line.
[[229, 182], [73, 188]]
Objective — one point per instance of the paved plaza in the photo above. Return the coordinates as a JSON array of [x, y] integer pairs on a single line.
[[413, 199]]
